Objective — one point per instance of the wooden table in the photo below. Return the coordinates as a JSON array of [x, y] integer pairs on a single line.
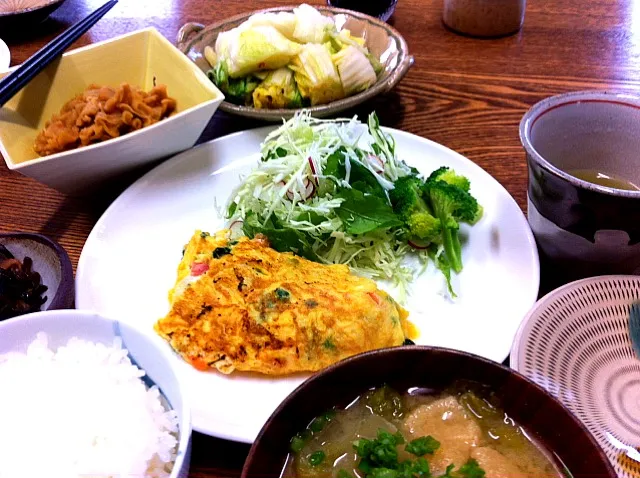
[[465, 93]]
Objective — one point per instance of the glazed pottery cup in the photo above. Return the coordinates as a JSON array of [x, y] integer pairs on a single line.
[[584, 229]]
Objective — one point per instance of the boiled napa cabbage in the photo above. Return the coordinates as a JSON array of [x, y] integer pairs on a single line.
[[354, 69], [278, 90], [348, 39], [238, 90], [311, 25], [224, 41], [343, 39], [257, 48], [316, 75], [210, 56], [284, 22]]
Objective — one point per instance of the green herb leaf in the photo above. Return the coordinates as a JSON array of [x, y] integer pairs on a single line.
[[329, 345], [361, 214], [232, 208], [423, 445], [281, 238], [282, 294], [218, 252], [471, 469], [448, 471], [362, 179], [344, 474], [421, 468]]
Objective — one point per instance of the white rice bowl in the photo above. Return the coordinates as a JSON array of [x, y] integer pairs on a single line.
[[81, 411]]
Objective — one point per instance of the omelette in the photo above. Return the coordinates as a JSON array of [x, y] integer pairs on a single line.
[[241, 305]]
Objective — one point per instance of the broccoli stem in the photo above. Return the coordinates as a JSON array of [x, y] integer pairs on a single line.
[[452, 247]]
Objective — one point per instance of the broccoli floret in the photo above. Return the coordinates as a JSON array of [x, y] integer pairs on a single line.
[[408, 204], [406, 196], [424, 226], [448, 175]]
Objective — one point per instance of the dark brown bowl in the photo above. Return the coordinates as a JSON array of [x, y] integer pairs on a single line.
[[546, 420], [51, 261], [18, 14]]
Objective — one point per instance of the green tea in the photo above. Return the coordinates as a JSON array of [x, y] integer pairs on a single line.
[[602, 179]]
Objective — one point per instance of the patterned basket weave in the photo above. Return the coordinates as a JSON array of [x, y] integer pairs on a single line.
[[575, 343]]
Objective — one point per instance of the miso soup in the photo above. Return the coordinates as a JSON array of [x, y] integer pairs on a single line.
[[459, 433]]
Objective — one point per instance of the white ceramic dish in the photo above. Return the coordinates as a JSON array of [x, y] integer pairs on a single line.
[[60, 325], [5, 56], [130, 260], [141, 58], [575, 343]]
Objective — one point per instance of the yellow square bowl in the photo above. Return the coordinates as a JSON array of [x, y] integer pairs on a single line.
[[142, 58]]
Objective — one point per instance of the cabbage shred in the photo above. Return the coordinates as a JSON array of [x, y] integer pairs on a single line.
[[321, 191]]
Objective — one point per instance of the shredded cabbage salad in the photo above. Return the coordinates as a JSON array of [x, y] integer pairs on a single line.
[[321, 190]]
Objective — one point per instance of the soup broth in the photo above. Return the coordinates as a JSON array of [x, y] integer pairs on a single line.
[[608, 180], [458, 433]]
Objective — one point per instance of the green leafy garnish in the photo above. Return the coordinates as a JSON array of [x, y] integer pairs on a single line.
[[218, 252], [318, 423], [378, 453], [423, 445], [361, 213], [316, 458], [281, 238], [471, 469]]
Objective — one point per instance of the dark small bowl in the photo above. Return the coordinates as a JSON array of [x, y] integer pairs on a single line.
[[27, 13], [51, 261], [547, 421]]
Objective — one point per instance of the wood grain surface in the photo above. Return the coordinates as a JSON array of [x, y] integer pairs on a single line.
[[468, 94]]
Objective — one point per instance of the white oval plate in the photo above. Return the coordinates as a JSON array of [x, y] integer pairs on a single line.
[[5, 56], [575, 343], [130, 259]]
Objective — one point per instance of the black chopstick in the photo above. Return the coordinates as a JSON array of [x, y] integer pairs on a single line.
[[16, 80]]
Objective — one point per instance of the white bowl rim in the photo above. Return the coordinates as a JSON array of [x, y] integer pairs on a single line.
[[186, 425], [130, 136]]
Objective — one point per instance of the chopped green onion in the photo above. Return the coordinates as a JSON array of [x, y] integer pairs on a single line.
[[316, 458]]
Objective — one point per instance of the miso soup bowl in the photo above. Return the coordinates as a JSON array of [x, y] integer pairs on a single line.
[[548, 423], [584, 229], [142, 58]]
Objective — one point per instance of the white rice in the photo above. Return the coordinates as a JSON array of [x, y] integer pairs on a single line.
[[81, 411]]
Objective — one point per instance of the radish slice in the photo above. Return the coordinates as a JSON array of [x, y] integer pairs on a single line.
[[313, 169], [236, 228], [199, 268], [376, 163], [289, 191], [309, 188], [417, 244]]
